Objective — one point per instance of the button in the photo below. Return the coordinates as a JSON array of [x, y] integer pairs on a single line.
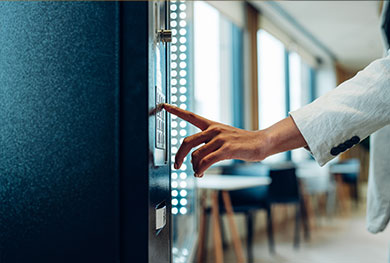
[[342, 147], [355, 139], [335, 151], [348, 143]]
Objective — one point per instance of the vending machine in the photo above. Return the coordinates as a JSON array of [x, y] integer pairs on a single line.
[[84, 148]]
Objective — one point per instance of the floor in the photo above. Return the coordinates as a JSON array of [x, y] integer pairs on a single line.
[[338, 240]]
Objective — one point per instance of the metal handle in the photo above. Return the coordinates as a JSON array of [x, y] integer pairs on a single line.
[[165, 35]]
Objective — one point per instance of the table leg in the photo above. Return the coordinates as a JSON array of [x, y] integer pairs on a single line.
[[216, 228], [233, 227], [202, 229]]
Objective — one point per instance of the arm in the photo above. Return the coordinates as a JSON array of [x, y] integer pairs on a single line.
[[328, 126], [225, 142], [341, 118]]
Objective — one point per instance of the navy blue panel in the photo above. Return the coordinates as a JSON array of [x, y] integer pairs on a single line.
[[58, 139], [135, 132]]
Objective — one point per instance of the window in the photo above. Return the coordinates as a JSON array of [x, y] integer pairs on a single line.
[[215, 41], [272, 83], [299, 93], [285, 84]]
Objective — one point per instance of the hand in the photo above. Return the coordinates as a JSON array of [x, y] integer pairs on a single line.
[[220, 141]]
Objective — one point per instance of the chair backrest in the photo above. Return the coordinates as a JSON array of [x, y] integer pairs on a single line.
[[284, 187], [251, 169]]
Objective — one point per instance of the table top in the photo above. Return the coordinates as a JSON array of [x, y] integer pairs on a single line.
[[231, 182], [347, 168]]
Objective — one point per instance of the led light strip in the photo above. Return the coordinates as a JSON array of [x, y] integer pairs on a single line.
[[179, 91]]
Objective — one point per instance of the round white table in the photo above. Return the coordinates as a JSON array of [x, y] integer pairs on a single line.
[[224, 184]]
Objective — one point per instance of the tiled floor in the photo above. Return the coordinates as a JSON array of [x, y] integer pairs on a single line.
[[339, 240]]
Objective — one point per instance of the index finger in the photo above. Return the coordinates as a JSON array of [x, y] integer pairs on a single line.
[[198, 121]]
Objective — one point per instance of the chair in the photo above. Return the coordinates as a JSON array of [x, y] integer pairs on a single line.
[[285, 189], [246, 201], [318, 186], [347, 172], [249, 200]]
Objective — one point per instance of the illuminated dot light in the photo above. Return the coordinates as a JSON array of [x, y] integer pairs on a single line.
[[179, 75], [183, 56], [183, 176], [183, 201], [174, 149], [183, 132], [182, 90]]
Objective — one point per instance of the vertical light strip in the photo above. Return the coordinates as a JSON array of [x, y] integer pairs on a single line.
[[179, 91]]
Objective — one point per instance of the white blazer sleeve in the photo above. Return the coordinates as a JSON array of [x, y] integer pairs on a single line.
[[348, 114]]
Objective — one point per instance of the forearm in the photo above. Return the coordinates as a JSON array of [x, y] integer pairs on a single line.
[[283, 136]]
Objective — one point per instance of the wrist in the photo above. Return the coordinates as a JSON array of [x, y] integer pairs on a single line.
[[264, 144]]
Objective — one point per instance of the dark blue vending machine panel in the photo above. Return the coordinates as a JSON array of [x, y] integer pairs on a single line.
[[59, 108], [145, 154]]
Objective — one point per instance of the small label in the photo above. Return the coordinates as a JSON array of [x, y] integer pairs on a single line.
[[161, 217]]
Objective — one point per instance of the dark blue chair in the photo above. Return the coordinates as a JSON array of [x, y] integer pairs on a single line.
[[248, 201], [285, 189], [349, 170]]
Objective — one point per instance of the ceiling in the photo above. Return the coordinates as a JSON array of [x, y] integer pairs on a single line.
[[348, 29]]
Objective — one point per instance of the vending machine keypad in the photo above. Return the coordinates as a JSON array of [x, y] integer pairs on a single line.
[[160, 122]]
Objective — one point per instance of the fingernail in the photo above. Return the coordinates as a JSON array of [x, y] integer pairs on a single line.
[[195, 174], [176, 166]]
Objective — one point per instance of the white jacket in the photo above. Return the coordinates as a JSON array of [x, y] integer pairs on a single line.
[[348, 114]]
